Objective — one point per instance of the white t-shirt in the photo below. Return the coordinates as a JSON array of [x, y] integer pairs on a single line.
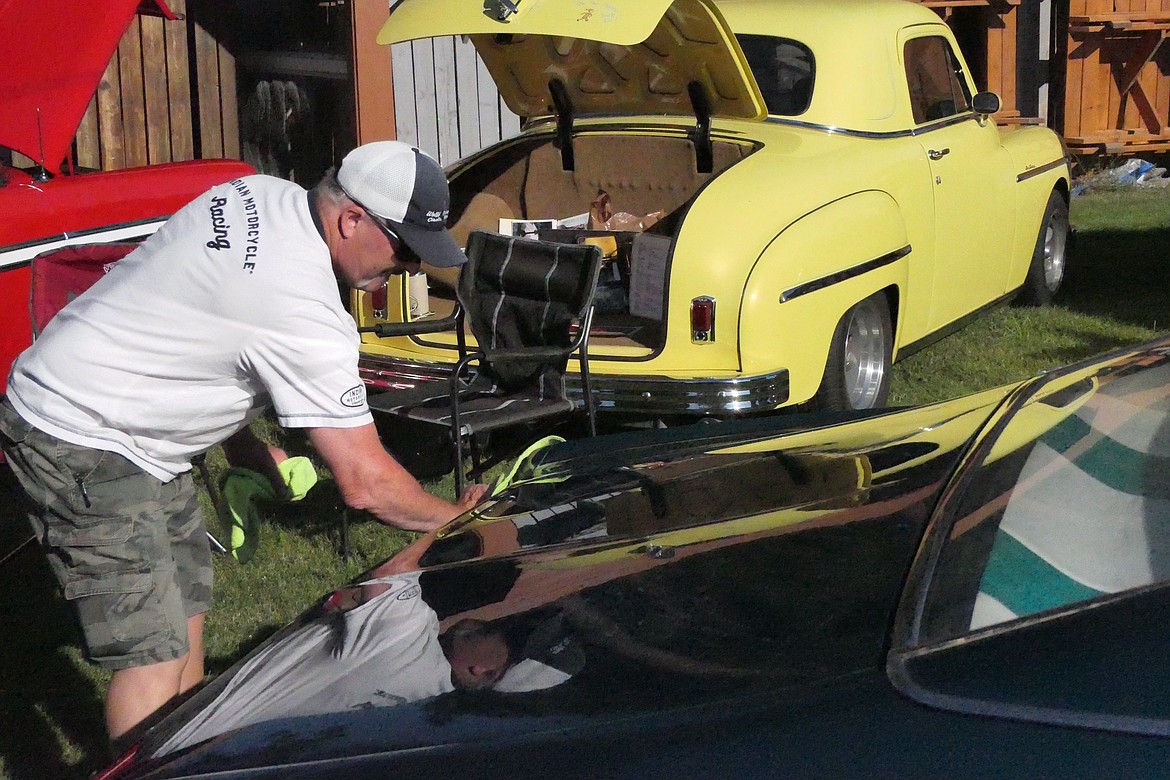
[[230, 308], [382, 653]]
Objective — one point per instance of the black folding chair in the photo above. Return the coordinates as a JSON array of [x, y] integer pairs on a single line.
[[529, 305]]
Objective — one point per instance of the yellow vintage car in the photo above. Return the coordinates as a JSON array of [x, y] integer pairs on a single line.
[[793, 193]]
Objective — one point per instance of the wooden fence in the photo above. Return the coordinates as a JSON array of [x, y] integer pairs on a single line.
[[147, 110], [445, 101], [1117, 76]]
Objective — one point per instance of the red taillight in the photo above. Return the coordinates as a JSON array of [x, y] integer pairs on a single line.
[[703, 320], [378, 302]]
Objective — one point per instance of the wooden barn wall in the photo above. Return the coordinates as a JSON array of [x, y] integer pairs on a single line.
[[1116, 90], [167, 80]]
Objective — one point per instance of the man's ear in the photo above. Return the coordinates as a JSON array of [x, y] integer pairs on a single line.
[[348, 219]]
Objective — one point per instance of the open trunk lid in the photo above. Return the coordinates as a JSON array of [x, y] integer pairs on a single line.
[[620, 57]]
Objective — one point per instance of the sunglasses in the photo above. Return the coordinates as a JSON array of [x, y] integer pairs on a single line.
[[395, 241]]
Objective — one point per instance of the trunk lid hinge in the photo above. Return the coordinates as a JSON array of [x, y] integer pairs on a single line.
[[564, 107], [704, 155]]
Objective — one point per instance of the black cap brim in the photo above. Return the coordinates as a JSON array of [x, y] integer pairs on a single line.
[[433, 247]]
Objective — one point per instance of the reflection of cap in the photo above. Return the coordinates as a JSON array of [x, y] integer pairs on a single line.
[[407, 190], [550, 657], [530, 675]]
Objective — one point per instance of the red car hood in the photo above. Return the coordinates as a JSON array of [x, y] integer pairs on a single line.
[[52, 58]]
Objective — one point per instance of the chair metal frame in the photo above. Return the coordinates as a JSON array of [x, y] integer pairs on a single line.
[[462, 375]]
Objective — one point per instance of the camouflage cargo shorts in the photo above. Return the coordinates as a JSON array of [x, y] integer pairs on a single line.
[[130, 552]]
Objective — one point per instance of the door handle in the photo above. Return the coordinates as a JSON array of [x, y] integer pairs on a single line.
[[938, 154]]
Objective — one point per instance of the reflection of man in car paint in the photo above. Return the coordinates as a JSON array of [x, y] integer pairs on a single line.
[[373, 645]]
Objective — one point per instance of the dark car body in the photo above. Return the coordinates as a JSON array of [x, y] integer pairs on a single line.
[[969, 589], [49, 69]]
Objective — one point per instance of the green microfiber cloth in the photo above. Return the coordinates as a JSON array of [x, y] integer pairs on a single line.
[[242, 488], [299, 476], [523, 464]]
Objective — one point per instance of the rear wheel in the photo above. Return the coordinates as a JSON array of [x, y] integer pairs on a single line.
[[857, 372], [1046, 272]]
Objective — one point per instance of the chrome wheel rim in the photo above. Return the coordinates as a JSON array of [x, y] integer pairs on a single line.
[[1055, 246], [865, 356]]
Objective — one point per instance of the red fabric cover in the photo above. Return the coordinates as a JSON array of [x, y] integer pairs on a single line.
[[61, 275]]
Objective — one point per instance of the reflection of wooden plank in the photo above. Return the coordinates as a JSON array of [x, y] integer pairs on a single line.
[[133, 97], [109, 106], [179, 85], [156, 99]]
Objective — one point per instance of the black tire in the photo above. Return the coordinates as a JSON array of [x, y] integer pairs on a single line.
[[857, 372], [1050, 257]]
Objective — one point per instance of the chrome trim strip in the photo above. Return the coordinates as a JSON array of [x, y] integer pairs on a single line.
[[841, 276], [915, 346], [899, 675], [663, 395], [538, 125], [909, 133], [19, 254], [1031, 172], [657, 395]]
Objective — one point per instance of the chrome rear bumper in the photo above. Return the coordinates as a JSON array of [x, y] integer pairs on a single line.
[[650, 395]]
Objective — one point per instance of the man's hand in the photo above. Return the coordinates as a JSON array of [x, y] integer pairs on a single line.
[[370, 478], [472, 495], [244, 449]]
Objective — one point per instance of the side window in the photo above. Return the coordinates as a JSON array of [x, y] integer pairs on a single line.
[[937, 89], [1068, 506], [784, 69], [1048, 597]]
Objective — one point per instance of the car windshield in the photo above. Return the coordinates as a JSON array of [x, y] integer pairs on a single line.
[[784, 70], [1068, 503]]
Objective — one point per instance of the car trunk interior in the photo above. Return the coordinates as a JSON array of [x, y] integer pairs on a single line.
[[650, 181]]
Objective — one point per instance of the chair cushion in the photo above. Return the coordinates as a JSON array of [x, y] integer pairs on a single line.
[[479, 409]]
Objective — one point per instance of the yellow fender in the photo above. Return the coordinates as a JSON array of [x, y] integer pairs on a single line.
[[844, 251]]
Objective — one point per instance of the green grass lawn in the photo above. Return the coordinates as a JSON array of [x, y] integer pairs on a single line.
[[1117, 293]]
